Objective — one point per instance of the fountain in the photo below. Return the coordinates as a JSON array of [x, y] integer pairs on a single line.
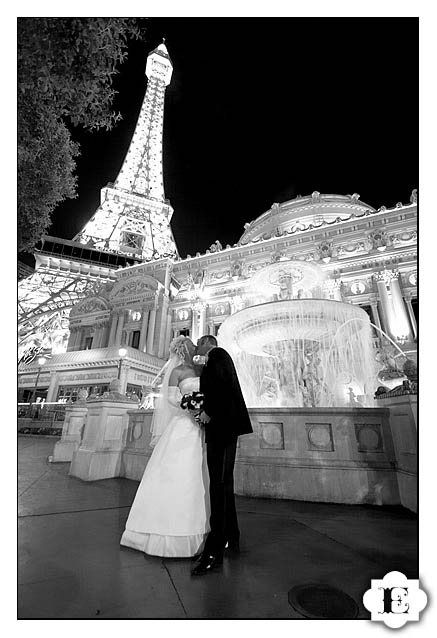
[[294, 348]]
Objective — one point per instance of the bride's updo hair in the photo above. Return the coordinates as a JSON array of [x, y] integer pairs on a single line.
[[179, 348]]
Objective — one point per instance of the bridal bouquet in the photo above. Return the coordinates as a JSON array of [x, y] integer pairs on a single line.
[[193, 402]]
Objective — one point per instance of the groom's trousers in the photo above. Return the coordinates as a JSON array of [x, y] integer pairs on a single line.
[[220, 457]]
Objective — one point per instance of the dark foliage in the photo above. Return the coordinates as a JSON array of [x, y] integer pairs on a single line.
[[66, 68]]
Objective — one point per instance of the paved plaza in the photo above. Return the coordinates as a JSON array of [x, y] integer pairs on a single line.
[[70, 563]]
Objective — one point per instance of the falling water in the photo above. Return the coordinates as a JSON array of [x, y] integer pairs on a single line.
[[302, 353]]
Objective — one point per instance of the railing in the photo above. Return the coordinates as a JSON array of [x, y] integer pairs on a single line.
[[48, 412]]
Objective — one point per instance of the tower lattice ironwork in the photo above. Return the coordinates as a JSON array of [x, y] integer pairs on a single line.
[[131, 225], [134, 216]]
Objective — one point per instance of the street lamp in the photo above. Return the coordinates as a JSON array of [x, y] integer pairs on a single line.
[[122, 352], [41, 362]]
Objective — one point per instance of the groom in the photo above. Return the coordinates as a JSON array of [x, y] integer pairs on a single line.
[[225, 417]]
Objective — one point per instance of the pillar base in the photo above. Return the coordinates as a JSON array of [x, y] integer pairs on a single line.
[[75, 417], [91, 465], [104, 438], [64, 450]]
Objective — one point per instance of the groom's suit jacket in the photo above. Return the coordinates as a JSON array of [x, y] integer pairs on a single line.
[[224, 401]]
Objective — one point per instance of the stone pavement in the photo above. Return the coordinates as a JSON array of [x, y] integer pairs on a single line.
[[70, 563]]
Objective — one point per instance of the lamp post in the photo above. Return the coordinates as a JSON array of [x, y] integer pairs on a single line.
[[41, 362], [122, 352]]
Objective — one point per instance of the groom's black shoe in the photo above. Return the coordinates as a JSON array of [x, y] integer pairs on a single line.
[[206, 564], [233, 546]]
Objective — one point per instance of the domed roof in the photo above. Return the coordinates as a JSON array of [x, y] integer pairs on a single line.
[[305, 213]]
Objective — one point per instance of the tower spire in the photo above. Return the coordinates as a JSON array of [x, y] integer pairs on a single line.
[[134, 216]]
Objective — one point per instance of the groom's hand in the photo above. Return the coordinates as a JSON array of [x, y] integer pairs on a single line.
[[204, 418]]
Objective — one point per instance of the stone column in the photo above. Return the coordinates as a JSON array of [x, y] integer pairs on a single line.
[[375, 315], [194, 330], [337, 289], [111, 340], [119, 331], [53, 386], [202, 323], [77, 338], [382, 280], [168, 334], [123, 376], [105, 330], [163, 327], [71, 339], [412, 317], [144, 322], [151, 330], [97, 335], [401, 322]]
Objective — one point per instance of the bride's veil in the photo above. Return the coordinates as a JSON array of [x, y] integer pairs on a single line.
[[164, 410]]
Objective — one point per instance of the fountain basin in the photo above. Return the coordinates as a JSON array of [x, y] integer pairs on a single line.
[[302, 353], [257, 329]]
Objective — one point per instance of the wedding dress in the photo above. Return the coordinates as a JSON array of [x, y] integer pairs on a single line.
[[170, 514]]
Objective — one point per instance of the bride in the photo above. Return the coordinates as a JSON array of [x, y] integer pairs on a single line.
[[170, 514]]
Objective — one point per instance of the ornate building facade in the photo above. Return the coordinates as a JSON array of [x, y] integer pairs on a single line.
[[368, 257]]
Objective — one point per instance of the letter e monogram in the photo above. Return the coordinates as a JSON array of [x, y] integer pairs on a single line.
[[395, 597]]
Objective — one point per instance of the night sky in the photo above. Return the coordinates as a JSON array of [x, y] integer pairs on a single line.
[[260, 110]]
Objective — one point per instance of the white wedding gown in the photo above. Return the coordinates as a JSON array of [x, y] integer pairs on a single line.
[[170, 514]]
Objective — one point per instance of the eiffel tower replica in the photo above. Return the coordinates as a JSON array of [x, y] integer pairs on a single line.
[[131, 225]]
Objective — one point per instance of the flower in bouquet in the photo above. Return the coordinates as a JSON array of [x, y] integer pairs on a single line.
[[193, 402]]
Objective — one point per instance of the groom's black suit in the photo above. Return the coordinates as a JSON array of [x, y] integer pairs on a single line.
[[224, 404]]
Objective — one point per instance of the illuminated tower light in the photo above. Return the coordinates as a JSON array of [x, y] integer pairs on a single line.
[[134, 215]]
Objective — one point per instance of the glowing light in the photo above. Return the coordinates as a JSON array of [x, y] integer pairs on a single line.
[[301, 352], [122, 352], [134, 215]]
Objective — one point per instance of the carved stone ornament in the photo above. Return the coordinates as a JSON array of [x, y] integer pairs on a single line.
[[369, 437], [319, 437], [271, 436], [357, 288], [88, 306], [324, 249], [134, 286], [82, 395]]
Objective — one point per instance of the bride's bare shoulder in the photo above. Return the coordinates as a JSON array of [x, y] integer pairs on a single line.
[[181, 372], [187, 372], [175, 376]]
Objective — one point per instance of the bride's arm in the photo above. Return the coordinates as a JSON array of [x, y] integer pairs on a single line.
[[174, 395]]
